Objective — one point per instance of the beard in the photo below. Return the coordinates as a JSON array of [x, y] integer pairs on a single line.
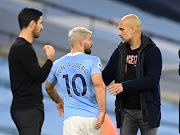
[[36, 33], [87, 51]]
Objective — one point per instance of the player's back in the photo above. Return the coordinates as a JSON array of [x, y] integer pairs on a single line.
[[73, 72]]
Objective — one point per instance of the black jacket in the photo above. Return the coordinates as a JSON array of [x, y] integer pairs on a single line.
[[148, 72]]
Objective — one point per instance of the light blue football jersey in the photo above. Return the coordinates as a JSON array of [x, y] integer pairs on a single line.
[[73, 74]]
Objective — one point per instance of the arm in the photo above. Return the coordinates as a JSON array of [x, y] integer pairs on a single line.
[[109, 71], [30, 62], [53, 94], [150, 80], [100, 91], [153, 72]]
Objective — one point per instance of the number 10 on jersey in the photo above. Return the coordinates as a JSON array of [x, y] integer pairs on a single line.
[[74, 88]]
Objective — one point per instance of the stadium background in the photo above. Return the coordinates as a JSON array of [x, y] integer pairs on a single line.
[[160, 20]]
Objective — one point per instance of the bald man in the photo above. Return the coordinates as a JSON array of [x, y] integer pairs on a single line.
[[135, 66]]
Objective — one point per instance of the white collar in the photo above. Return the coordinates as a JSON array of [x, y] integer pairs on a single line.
[[73, 54]]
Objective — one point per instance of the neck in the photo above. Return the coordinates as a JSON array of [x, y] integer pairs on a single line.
[[76, 49], [27, 35], [136, 42]]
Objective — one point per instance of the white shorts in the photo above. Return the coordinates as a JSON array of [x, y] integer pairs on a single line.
[[78, 125]]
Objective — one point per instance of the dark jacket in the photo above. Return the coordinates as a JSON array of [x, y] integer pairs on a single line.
[[148, 72]]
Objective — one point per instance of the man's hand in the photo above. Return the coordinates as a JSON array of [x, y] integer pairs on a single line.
[[50, 51], [60, 107], [100, 120], [115, 89]]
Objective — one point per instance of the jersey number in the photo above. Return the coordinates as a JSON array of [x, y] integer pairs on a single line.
[[66, 77]]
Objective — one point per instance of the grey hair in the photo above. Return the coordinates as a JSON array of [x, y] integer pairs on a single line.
[[78, 33]]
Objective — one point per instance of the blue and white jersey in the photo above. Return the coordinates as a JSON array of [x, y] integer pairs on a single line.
[[73, 74]]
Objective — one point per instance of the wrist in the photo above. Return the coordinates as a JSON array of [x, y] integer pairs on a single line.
[[52, 59], [103, 112], [60, 101]]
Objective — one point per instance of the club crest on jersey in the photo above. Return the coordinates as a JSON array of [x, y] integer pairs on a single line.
[[99, 66]]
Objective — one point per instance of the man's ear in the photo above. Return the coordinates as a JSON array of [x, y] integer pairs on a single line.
[[81, 42], [133, 29], [32, 24]]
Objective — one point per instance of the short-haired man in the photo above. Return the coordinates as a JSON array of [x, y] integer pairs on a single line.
[[27, 109], [79, 77]]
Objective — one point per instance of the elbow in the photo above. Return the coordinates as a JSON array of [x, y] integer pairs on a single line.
[[49, 87], [107, 78], [154, 81], [43, 79], [48, 90], [100, 85]]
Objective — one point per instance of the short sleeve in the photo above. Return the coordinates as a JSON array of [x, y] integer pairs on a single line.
[[96, 66], [52, 76]]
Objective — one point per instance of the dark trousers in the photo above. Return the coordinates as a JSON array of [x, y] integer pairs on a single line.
[[28, 122], [132, 121]]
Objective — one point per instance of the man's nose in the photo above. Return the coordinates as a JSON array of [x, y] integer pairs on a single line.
[[119, 33]]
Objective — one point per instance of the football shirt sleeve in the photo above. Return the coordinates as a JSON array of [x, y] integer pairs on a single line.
[[96, 66], [52, 76]]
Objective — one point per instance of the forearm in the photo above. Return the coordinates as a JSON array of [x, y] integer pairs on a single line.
[[142, 84], [100, 91], [45, 70], [108, 75], [54, 95]]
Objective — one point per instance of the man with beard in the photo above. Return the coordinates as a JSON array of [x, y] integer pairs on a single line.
[[79, 77], [135, 66], [26, 76]]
